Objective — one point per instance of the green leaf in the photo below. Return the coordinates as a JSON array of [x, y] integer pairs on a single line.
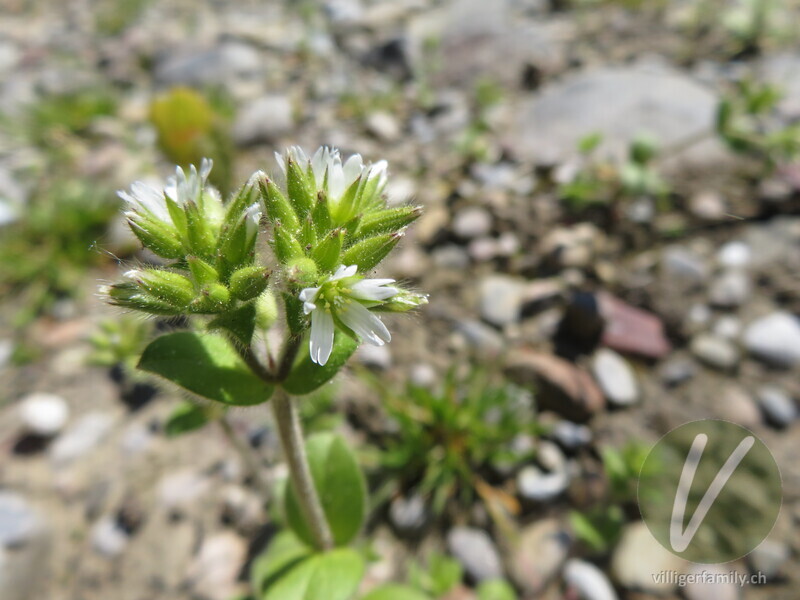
[[334, 575], [186, 417], [496, 589], [306, 375], [395, 591], [284, 553], [206, 365], [240, 322], [341, 488]]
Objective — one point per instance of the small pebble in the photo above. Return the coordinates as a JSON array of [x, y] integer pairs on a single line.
[[44, 414]]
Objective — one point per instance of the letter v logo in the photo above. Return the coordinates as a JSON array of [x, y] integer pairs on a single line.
[[678, 537]]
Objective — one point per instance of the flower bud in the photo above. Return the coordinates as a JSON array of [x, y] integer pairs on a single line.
[[249, 282], [403, 301], [213, 298], [130, 295], [387, 221], [276, 204], [162, 238], [302, 271], [301, 190], [367, 253], [172, 288]]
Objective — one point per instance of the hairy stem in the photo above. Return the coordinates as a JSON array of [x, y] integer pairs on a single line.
[[291, 434]]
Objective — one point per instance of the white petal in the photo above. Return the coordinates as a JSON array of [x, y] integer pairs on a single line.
[[205, 168], [281, 160], [319, 163], [343, 272], [365, 324], [309, 294], [336, 183], [352, 169], [321, 341], [373, 289]]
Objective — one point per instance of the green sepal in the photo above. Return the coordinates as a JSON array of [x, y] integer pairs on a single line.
[[130, 295], [177, 215], [387, 221], [201, 239], [202, 272], [240, 323], [340, 486], [326, 252], [155, 235], [248, 282], [306, 375], [348, 204], [301, 192], [401, 302], [307, 236], [277, 207], [207, 365], [367, 253], [321, 214], [169, 287], [286, 246]]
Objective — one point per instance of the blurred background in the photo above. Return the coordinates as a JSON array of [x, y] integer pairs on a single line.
[[610, 242]]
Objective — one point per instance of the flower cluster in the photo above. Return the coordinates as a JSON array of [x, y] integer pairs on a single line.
[[327, 224]]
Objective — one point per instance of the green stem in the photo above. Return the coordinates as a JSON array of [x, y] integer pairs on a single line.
[[291, 435]]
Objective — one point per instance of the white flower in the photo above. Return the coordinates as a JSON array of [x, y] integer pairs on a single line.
[[146, 200], [327, 167], [344, 297]]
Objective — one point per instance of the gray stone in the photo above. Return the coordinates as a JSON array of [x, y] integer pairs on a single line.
[[383, 126], [737, 406], [677, 370], [476, 552], [730, 289], [571, 435], [728, 327], [684, 264], [484, 339], [784, 70], [546, 480], [18, 521], [108, 538], [638, 555], [778, 407], [539, 553], [84, 435], [735, 255], [44, 414], [669, 106], [376, 357], [423, 375], [482, 249], [214, 571], [480, 41], [221, 65], [500, 299], [450, 256], [616, 378], [775, 339], [265, 119], [6, 352], [715, 351], [180, 489], [472, 222], [408, 514], [589, 582], [769, 558]]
